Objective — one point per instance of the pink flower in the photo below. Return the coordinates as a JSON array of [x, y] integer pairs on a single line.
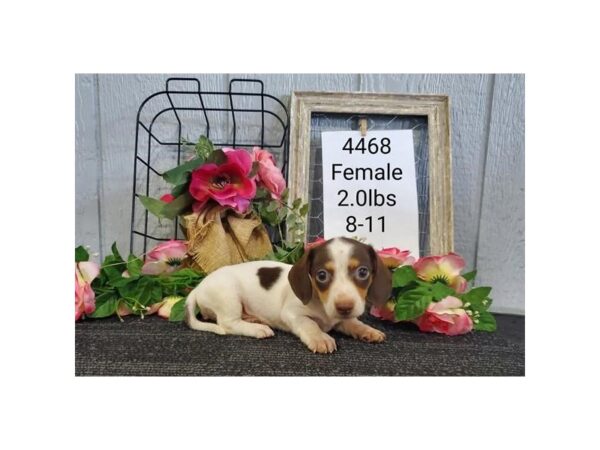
[[85, 298], [318, 241], [167, 198], [269, 174], [446, 316], [124, 310], [445, 269], [394, 257], [165, 258], [167, 304], [228, 184], [163, 307], [385, 312]]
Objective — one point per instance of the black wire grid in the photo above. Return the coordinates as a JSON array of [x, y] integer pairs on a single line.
[[179, 101]]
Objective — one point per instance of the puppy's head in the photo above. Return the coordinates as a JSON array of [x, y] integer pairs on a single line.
[[342, 274]]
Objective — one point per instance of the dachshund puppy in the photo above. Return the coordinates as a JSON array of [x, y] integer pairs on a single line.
[[326, 289]]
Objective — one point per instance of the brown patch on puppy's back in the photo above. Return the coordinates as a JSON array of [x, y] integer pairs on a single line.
[[267, 276]]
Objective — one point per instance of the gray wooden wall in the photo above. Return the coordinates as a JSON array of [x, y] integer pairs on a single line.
[[488, 139]]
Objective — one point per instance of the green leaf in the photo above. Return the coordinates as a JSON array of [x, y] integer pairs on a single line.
[[269, 213], [281, 215], [272, 206], [127, 287], [304, 210], [413, 293], [148, 291], [476, 295], [217, 157], [177, 206], [470, 276], [112, 268], [177, 311], [153, 205], [204, 147], [409, 308], [186, 272], [261, 193], [271, 217], [477, 299], [179, 175], [81, 254], [115, 252], [134, 266], [402, 276], [121, 281], [485, 322], [167, 210], [106, 305], [180, 189], [440, 290], [296, 203]]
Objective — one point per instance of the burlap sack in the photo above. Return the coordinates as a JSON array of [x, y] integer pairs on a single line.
[[219, 237]]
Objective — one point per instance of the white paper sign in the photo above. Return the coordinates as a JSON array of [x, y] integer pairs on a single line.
[[370, 188]]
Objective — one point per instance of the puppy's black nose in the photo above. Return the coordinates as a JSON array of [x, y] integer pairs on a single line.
[[344, 308]]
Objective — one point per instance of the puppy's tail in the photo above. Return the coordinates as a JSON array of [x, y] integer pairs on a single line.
[[193, 322]]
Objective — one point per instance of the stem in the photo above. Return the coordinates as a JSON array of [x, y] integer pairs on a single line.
[[125, 262]]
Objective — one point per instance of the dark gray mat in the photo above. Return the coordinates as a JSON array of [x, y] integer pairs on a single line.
[[154, 346]]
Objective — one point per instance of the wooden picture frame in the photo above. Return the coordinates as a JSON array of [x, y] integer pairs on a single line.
[[436, 108]]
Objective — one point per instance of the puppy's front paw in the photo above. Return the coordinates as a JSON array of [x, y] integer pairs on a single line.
[[322, 344], [263, 331], [371, 335]]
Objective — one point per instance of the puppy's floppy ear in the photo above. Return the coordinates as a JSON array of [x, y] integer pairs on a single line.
[[381, 286], [299, 277]]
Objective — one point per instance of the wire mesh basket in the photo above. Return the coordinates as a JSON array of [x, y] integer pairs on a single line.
[[243, 116]]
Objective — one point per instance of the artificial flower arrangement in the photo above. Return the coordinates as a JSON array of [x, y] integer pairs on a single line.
[[156, 284], [231, 192], [247, 189], [430, 292]]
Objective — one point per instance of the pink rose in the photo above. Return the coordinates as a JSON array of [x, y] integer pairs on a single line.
[[228, 184], [165, 258], [445, 269], [318, 241], [446, 316], [269, 174], [85, 298], [394, 257]]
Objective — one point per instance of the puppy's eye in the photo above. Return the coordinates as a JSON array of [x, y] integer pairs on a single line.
[[322, 276], [362, 273]]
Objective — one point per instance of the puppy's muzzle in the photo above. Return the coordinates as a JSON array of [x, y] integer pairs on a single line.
[[344, 307]]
